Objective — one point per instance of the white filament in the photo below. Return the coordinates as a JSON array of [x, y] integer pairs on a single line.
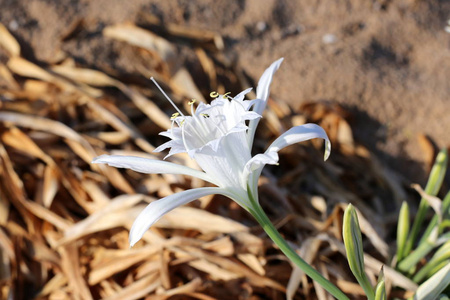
[[165, 95]]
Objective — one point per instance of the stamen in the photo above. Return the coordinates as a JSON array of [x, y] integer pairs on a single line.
[[165, 95], [204, 115], [218, 128], [183, 137], [174, 116], [214, 94], [226, 95], [191, 103]]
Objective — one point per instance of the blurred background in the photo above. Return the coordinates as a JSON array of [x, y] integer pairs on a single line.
[[385, 61], [74, 84]]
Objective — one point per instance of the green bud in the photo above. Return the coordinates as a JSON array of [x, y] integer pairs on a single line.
[[351, 233], [437, 173], [380, 289]]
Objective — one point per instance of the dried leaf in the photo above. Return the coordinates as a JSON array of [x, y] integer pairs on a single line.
[[145, 39], [8, 77], [428, 149], [50, 186], [117, 213], [8, 42], [107, 268], [70, 266], [209, 39], [183, 84], [25, 68], [137, 289], [196, 219]]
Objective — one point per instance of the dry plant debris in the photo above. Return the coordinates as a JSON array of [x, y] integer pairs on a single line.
[[64, 222]]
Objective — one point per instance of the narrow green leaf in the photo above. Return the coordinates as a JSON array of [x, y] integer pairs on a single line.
[[446, 206], [438, 219], [441, 255], [444, 224], [422, 250], [402, 230], [432, 188], [351, 233], [438, 267], [437, 173]]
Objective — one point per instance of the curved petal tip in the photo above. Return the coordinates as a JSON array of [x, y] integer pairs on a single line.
[[100, 159], [327, 149], [155, 210]]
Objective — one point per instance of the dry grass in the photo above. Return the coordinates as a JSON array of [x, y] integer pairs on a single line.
[[64, 222]]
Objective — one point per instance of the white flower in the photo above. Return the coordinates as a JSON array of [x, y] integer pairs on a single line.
[[217, 138]]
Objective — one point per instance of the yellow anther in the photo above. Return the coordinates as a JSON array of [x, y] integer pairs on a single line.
[[174, 116], [214, 94], [204, 115], [182, 122], [226, 94], [192, 101]]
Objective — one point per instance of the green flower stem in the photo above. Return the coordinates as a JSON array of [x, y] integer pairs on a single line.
[[276, 237]]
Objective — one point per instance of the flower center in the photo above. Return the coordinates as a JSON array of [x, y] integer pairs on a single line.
[[206, 124]]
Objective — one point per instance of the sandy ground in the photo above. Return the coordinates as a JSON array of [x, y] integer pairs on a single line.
[[385, 61]]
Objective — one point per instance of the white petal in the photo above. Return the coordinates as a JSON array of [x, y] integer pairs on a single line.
[[251, 115], [149, 166], [249, 103], [299, 134], [259, 161], [294, 135], [225, 163], [240, 97], [263, 89], [155, 210], [262, 94], [270, 158]]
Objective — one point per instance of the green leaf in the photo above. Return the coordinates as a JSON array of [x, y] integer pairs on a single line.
[[402, 230], [422, 250], [439, 218], [446, 206], [432, 188], [441, 256], [351, 233]]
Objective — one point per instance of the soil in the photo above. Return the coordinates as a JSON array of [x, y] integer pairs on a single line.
[[388, 62]]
